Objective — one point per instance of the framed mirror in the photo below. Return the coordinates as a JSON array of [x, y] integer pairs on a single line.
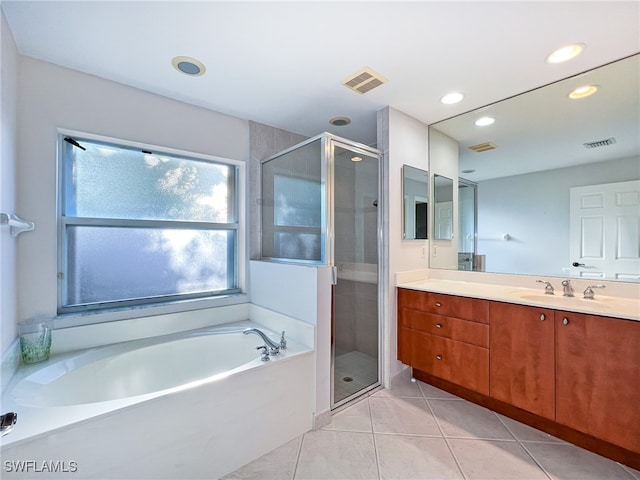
[[545, 148], [442, 208], [415, 194]]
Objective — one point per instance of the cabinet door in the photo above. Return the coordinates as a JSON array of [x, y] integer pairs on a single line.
[[522, 357], [457, 362], [404, 345], [598, 377]]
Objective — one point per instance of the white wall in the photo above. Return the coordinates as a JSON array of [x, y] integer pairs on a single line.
[[302, 292], [52, 97], [8, 244], [534, 210], [403, 140]]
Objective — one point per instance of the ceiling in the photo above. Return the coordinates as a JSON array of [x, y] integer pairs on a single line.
[[282, 63]]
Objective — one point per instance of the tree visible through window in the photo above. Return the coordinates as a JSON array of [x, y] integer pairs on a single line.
[[141, 227]]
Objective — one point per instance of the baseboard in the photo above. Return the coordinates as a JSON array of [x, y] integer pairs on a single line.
[[321, 420]]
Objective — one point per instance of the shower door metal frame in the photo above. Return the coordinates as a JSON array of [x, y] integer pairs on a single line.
[[324, 186], [329, 143]]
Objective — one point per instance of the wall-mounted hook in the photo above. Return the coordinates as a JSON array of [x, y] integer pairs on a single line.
[[16, 224]]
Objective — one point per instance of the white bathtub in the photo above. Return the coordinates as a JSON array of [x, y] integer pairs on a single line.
[[195, 404]]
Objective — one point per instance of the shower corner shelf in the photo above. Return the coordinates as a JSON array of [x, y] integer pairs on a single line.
[[16, 224]]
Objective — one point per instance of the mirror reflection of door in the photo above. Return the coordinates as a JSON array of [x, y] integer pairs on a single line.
[[443, 208], [467, 225], [415, 192], [443, 220], [422, 208], [596, 210]]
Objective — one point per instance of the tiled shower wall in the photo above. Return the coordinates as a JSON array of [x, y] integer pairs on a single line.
[[265, 141], [356, 322]]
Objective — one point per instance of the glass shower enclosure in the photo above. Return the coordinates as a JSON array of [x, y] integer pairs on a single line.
[[321, 205]]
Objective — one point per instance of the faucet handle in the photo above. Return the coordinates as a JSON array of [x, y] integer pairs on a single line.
[[7, 421], [283, 342], [548, 288], [568, 288], [588, 292], [264, 353]]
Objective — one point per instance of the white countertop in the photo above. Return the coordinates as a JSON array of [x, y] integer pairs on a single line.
[[608, 306]]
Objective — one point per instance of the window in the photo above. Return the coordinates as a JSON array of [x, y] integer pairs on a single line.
[[139, 227]]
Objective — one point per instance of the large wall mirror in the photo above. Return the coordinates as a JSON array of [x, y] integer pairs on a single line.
[[415, 194], [556, 179]]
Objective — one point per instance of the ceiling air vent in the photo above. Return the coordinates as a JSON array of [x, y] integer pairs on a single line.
[[364, 80], [600, 143], [483, 147]]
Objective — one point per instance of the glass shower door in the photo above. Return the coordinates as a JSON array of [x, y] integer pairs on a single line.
[[355, 320]]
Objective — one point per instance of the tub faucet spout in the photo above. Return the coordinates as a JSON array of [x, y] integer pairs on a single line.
[[274, 348]]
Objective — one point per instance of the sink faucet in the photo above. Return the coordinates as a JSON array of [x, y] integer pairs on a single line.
[[274, 348], [548, 288], [567, 288], [588, 293]]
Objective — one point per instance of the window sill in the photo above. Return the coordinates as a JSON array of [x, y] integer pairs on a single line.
[[77, 319]]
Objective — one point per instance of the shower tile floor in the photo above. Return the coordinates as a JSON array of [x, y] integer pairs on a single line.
[[415, 431], [353, 371]]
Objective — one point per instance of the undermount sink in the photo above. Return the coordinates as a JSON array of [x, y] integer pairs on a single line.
[[560, 300]]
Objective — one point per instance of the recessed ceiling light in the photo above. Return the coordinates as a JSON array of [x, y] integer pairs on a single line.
[[356, 159], [469, 170], [583, 91], [340, 121], [566, 53], [451, 98], [484, 121], [188, 66]]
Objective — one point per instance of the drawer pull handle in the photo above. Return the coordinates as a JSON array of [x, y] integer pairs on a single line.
[[542, 317], [438, 325], [439, 357], [565, 321], [438, 304]]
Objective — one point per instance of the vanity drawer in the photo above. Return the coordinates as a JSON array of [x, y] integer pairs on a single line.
[[454, 328], [447, 305], [460, 363]]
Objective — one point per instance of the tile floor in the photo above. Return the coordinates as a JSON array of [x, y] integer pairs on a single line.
[[354, 371], [415, 431]]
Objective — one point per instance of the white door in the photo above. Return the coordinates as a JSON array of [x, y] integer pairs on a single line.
[[605, 231], [443, 227]]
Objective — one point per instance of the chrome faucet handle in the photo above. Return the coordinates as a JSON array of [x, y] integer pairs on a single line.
[[264, 353], [548, 288], [7, 421], [283, 342], [588, 292]]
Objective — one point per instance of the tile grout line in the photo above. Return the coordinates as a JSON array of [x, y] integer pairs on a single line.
[[295, 467], [523, 447], [626, 469], [373, 436], [446, 441]]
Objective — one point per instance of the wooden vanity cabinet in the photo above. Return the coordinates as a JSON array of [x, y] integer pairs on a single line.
[[522, 357], [445, 336], [598, 377], [575, 376]]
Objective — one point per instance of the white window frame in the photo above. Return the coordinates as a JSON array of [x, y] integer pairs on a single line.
[[167, 304]]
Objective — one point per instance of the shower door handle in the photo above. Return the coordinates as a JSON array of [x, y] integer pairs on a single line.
[[334, 275]]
